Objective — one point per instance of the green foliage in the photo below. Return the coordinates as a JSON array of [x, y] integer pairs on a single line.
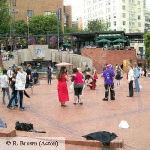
[[72, 29], [147, 45], [4, 17], [97, 26], [20, 27], [44, 25]]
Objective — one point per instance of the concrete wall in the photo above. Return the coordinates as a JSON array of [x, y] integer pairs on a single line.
[[101, 57], [41, 52]]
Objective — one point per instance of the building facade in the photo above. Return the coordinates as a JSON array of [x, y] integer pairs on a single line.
[[23, 8], [122, 15], [147, 20]]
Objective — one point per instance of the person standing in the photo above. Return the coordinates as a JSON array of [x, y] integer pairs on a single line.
[[130, 81], [78, 86], [49, 75], [20, 85], [5, 86], [118, 74], [62, 86], [136, 78], [108, 76], [29, 82], [14, 93], [145, 71], [10, 74]]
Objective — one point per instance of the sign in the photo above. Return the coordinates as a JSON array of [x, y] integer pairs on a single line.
[[39, 53]]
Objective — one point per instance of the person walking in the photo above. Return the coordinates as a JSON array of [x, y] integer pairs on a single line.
[[136, 77], [118, 74], [145, 70], [108, 76], [62, 86], [5, 86], [14, 93], [78, 86], [20, 85], [130, 81], [49, 75]]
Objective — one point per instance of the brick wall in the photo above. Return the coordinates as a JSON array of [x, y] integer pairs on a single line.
[[101, 57]]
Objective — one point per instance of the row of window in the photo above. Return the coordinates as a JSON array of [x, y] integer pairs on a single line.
[[30, 13], [130, 23]]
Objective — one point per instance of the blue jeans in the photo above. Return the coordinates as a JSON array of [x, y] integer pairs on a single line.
[[137, 87], [13, 99], [5, 91]]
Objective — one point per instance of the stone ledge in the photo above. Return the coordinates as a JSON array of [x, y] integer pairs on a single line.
[[4, 132], [113, 144]]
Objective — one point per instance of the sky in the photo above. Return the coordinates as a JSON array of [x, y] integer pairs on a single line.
[[77, 7]]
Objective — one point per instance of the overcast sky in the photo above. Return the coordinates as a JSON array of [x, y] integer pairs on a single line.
[[77, 7]]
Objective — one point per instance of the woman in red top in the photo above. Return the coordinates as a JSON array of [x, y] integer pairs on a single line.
[[78, 86], [62, 86]]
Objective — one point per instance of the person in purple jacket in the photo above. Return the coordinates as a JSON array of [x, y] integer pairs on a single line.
[[108, 76]]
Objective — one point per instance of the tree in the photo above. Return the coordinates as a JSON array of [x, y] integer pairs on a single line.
[[4, 17], [147, 46], [97, 26], [20, 27], [72, 29], [44, 25]]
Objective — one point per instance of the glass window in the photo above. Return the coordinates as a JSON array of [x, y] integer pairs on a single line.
[[13, 2], [139, 17], [124, 7], [114, 23], [30, 13], [124, 23]]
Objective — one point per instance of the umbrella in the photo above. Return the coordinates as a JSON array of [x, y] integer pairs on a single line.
[[64, 64], [119, 41], [67, 44], [103, 136], [103, 41]]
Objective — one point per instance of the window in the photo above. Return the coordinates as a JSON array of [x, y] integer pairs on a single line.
[[124, 23], [139, 17], [13, 2], [123, 15], [124, 7], [30, 13], [123, 1], [114, 23], [48, 13]]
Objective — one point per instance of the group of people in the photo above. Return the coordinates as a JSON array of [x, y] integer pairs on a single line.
[[18, 80], [109, 73], [79, 80]]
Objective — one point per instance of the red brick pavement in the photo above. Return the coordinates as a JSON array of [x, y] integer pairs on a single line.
[[44, 111]]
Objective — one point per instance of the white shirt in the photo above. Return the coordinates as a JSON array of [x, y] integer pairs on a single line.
[[10, 73], [20, 81], [130, 75], [4, 81]]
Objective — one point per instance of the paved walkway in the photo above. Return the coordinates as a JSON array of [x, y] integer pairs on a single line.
[[44, 111]]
